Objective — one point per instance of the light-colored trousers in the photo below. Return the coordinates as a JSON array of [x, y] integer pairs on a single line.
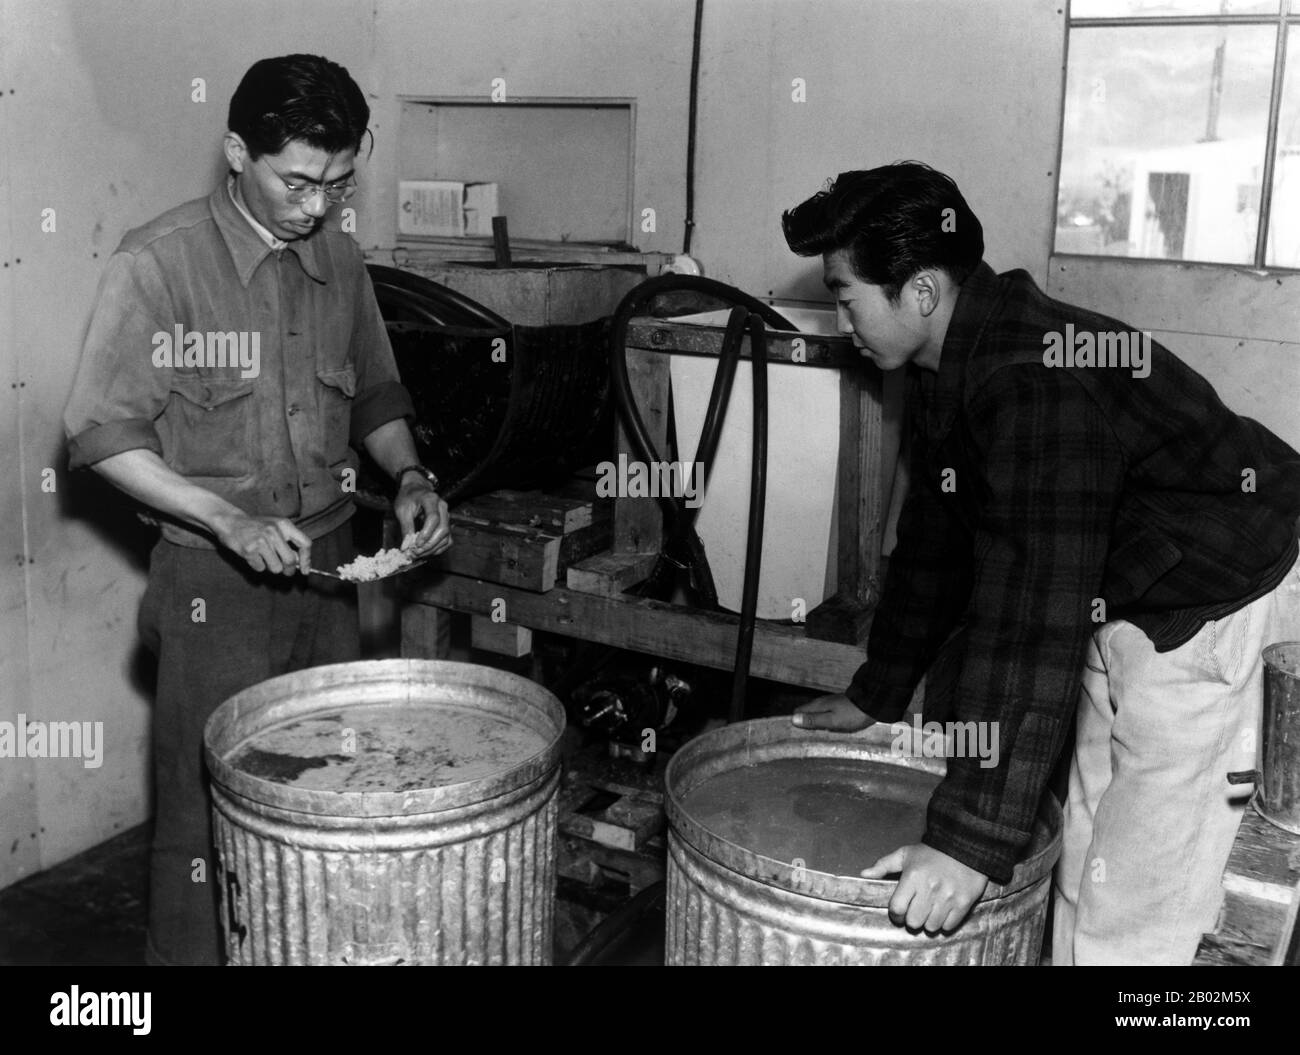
[[1150, 817]]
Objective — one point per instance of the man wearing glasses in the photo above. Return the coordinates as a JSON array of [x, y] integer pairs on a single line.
[[234, 360]]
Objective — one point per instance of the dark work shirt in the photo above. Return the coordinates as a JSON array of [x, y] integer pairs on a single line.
[[168, 364], [1044, 500]]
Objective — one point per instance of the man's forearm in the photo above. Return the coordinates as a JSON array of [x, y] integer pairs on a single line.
[[147, 478], [392, 446]]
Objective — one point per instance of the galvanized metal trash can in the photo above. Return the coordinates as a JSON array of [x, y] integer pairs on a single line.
[[387, 812], [1277, 798], [769, 826]]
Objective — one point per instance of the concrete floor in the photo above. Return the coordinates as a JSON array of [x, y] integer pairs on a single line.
[[88, 910]]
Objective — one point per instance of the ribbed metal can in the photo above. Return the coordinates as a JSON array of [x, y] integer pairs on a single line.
[[1277, 799], [387, 812], [729, 902]]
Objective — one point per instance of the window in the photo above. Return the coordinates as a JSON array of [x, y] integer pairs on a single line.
[[563, 167], [1181, 131]]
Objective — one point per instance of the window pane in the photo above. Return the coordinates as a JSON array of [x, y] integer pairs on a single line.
[[1283, 248], [1154, 8], [1163, 146]]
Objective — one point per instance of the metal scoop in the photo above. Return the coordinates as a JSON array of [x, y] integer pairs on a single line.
[[417, 563]]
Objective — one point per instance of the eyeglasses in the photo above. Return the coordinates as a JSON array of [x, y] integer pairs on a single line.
[[296, 193]]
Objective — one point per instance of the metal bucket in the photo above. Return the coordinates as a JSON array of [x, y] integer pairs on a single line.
[[387, 812], [1277, 799], [730, 902]]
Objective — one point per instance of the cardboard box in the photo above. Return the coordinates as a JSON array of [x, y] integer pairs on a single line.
[[445, 208]]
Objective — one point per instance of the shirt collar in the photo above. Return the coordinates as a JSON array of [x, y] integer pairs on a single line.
[[275, 243], [249, 247]]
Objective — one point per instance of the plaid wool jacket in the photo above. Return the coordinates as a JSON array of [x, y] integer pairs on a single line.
[[1044, 499]]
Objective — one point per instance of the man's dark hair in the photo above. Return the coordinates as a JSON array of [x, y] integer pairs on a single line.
[[298, 97], [893, 223]]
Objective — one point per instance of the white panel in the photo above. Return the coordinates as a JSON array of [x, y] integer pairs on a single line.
[[19, 827], [799, 514], [803, 443], [1260, 379], [1236, 327], [1187, 298]]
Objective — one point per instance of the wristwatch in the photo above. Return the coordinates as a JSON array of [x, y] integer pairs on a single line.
[[428, 474]]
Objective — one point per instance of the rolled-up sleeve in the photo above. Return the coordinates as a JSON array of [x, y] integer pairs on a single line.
[[118, 393], [380, 397]]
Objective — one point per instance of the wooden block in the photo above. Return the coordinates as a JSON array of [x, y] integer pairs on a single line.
[[504, 639], [582, 485], [841, 618], [625, 824], [609, 574], [426, 632], [639, 868], [645, 794], [585, 543], [553, 514], [503, 554]]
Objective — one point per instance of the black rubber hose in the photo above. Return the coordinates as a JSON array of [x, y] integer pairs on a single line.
[[682, 545], [719, 400], [635, 300], [692, 110], [614, 926], [757, 506], [441, 304]]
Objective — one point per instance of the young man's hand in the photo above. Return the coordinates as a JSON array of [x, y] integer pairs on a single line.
[[415, 497], [836, 712], [271, 544], [935, 892]]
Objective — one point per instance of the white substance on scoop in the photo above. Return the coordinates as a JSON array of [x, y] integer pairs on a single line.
[[365, 569]]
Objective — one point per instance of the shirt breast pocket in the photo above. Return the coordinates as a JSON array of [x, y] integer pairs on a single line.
[[212, 427], [336, 391]]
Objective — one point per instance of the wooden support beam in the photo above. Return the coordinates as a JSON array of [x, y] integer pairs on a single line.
[[503, 639], [426, 632], [859, 483], [688, 338], [842, 618], [638, 522], [781, 653]]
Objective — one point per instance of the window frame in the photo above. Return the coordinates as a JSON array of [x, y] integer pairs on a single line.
[[1283, 19]]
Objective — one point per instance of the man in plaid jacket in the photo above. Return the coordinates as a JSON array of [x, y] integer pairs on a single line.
[[1094, 532]]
